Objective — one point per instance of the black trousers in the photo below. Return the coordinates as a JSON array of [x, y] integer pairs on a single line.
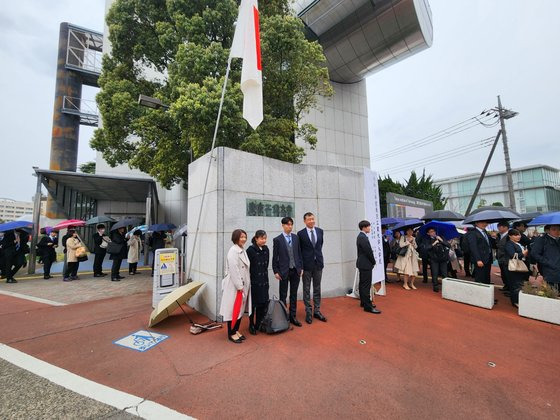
[[482, 274], [115, 268], [71, 268], [425, 263], [47, 264], [467, 265], [365, 288], [386, 264], [291, 279], [438, 269], [257, 315], [98, 262], [516, 280], [233, 329], [132, 267], [505, 274]]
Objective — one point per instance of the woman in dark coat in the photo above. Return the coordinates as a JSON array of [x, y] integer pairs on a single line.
[[516, 278], [259, 256], [117, 236]]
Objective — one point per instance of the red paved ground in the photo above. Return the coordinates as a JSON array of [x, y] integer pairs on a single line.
[[424, 357]]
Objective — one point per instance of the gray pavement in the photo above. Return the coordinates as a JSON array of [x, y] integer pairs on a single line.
[[24, 395]]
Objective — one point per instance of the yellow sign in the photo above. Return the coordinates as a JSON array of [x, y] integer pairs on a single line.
[[167, 257]]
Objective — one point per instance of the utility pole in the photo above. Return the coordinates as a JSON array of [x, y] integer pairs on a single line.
[[504, 115]]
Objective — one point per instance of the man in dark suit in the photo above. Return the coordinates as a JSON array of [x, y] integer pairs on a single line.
[[311, 244], [501, 256], [365, 263], [47, 245], [287, 265], [480, 247], [99, 238], [422, 246]]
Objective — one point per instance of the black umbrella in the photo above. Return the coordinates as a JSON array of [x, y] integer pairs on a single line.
[[527, 217], [443, 215], [410, 223], [126, 222], [498, 208], [492, 216], [100, 219]]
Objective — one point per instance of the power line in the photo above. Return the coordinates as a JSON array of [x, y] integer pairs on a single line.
[[442, 134]]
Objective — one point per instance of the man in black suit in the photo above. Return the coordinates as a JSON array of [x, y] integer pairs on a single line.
[[99, 238], [287, 265], [47, 245], [422, 246], [501, 256], [480, 247], [311, 244], [365, 263]]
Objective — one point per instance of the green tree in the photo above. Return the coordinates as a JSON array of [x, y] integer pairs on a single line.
[[425, 189], [177, 51], [387, 185], [498, 204], [87, 168]]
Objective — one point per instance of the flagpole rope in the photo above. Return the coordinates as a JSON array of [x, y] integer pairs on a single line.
[[209, 166]]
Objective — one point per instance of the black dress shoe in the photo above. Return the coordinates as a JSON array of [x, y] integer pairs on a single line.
[[436, 289], [295, 322], [11, 281], [97, 275], [308, 318], [235, 340], [252, 330], [320, 317], [242, 337], [116, 279], [103, 274], [372, 310], [120, 277]]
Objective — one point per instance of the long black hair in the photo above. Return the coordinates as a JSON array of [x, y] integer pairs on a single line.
[[258, 234]]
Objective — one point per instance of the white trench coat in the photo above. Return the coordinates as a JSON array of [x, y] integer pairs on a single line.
[[237, 278]]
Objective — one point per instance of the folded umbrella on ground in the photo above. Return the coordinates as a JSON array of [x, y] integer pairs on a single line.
[[552, 218], [443, 215]]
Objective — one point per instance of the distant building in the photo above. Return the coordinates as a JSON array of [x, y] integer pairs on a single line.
[[12, 209], [536, 188]]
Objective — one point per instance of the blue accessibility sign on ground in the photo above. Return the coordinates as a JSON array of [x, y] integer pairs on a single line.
[[141, 340]]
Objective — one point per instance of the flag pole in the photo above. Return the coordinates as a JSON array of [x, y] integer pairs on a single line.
[[209, 166]]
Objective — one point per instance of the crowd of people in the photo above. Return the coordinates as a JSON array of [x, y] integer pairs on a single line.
[[119, 244], [413, 252]]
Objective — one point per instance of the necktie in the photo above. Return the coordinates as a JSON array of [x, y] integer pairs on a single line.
[[289, 238], [313, 240]]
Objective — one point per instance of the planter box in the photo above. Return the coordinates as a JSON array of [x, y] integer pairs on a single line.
[[538, 307], [469, 292]]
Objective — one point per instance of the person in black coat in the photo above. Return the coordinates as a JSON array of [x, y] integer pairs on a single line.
[[117, 236], [18, 258], [386, 251], [365, 263], [157, 241], [437, 250], [259, 257], [480, 247], [287, 265], [516, 279], [546, 252], [9, 250], [422, 246], [311, 244], [47, 245], [99, 238]]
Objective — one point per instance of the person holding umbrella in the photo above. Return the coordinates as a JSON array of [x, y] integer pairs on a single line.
[[437, 250], [407, 259], [72, 263], [546, 252], [117, 237], [134, 246], [236, 286], [47, 245], [480, 247], [514, 249], [101, 241]]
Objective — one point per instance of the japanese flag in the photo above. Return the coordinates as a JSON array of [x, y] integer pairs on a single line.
[[247, 46]]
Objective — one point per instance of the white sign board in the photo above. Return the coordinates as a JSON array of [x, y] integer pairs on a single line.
[[141, 340], [373, 214], [166, 273]]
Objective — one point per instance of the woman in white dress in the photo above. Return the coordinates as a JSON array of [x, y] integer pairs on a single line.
[[407, 264], [238, 278]]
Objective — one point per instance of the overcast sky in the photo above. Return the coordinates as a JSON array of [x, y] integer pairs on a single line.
[[481, 49]]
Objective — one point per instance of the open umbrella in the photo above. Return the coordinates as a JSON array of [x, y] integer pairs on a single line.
[[388, 221], [492, 216], [497, 208], [162, 227], [172, 301], [141, 228], [100, 219], [410, 223], [443, 215], [18, 224], [126, 222], [446, 230], [546, 219], [65, 224], [527, 217]]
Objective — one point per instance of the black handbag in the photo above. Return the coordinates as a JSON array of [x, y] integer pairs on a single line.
[[82, 258], [403, 251], [114, 248]]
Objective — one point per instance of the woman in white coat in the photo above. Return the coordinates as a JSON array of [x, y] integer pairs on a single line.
[[134, 244], [407, 264], [237, 278]]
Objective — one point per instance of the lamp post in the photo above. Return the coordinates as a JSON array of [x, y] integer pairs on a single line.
[[150, 102]]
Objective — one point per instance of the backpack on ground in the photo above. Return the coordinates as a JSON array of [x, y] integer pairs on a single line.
[[276, 319]]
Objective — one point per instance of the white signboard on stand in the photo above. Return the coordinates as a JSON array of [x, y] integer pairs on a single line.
[[166, 273], [373, 214]]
